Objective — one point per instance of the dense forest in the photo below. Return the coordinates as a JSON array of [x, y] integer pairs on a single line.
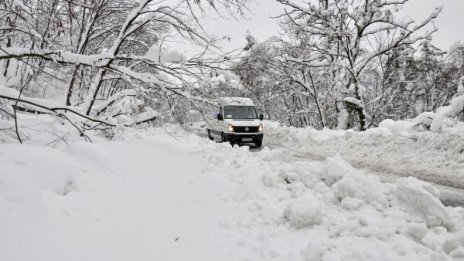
[[334, 64]]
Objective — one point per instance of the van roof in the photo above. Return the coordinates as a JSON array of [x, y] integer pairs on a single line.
[[237, 101]]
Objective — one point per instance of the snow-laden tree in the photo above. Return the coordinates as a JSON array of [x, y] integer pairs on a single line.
[[260, 78], [275, 73], [96, 53], [351, 35], [450, 112]]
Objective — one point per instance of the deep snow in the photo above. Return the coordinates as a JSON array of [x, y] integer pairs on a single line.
[[164, 194], [394, 147]]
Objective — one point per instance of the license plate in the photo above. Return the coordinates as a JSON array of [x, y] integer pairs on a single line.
[[247, 139]]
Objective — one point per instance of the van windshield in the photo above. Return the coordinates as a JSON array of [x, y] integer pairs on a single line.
[[240, 112]]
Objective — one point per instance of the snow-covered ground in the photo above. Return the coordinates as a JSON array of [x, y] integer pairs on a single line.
[[394, 148], [166, 194]]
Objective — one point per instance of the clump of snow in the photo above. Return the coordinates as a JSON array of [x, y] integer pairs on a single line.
[[424, 120], [418, 230], [364, 188], [224, 101], [356, 102], [442, 118], [396, 126], [421, 200], [163, 55], [335, 169], [454, 246], [444, 115], [304, 211]]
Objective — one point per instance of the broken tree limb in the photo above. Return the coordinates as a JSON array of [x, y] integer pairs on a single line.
[[42, 106]]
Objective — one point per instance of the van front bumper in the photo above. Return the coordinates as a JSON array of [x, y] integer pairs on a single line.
[[244, 138]]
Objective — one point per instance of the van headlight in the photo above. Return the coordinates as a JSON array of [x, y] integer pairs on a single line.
[[260, 128], [231, 128]]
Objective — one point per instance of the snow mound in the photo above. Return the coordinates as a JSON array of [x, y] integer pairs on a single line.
[[421, 200], [305, 211], [335, 169], [454, 246], [423, 121], [444, 115], [417, 230], [396, 126], [362, 187]]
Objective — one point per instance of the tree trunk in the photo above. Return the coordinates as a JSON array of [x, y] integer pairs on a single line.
[[71, 85]]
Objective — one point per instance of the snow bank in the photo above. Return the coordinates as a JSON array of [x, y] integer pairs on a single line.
[[357, 217], [394, 147]]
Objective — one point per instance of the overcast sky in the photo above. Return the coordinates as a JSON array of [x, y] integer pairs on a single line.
[[260, 24]]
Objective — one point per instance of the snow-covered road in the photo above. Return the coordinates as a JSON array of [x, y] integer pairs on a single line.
[[450, 196], [389, 153], [310, 145]]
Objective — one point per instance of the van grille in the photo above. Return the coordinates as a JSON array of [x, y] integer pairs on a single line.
[[244, 129]]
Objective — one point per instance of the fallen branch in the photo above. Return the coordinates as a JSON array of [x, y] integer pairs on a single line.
[[54, 110], [144, 121]]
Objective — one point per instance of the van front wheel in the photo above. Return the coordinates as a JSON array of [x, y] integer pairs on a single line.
[[209, 135], [258, 144]]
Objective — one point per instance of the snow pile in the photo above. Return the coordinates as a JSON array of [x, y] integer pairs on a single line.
[[421, 199], [164, 194], [361, 218], [362, 188], [336, 168], [394, 147], [444, 114], [423, 121], [396, 126], [305, 211]]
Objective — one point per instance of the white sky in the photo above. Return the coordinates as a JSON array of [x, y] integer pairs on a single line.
[[259, 22]]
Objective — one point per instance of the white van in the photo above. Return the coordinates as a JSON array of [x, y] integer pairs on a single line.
[[237, 122]]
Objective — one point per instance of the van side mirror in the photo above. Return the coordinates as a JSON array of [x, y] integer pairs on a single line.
[[261, 117], [220, 117]]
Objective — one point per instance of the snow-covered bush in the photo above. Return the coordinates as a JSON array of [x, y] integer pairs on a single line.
[[444, 115], [423, 121]]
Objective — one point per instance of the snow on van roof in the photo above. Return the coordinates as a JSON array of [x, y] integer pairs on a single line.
[[235, 101]]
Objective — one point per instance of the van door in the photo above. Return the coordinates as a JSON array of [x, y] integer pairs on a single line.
[[216, 125]]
